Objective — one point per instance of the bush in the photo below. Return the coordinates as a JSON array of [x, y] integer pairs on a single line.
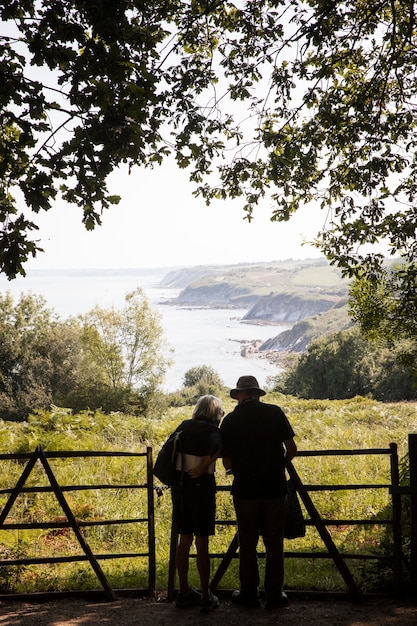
[[344, 365]]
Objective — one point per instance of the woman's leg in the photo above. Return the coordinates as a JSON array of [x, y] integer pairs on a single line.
[[182, 561]]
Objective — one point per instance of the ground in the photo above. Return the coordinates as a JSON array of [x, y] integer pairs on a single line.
[[128, 611]]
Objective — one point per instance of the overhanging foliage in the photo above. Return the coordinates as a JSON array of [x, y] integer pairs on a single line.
[[292, 102]]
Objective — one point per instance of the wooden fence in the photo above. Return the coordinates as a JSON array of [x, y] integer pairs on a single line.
[[77, 525], [395, 559]]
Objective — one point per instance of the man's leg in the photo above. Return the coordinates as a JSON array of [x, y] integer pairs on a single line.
[[272, 534], [203, 563], [247, 517]]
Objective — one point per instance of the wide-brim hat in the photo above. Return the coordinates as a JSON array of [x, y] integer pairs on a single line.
[[246, 383]]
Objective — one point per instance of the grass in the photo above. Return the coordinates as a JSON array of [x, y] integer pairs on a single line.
[[319, 425]]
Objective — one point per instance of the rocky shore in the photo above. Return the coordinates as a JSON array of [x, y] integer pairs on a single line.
[[251, 349]]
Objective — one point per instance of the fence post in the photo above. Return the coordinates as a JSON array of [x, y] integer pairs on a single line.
[[151, 523], [172, 565], [396, 518], [412, 457]]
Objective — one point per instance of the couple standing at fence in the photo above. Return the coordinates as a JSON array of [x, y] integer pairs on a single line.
[[256, 441]]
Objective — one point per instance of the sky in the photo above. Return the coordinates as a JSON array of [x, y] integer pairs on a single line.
[[159, 223]]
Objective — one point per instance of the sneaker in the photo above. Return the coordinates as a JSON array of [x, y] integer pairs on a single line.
[[190, 598], [209, 604], [251, 602], [277, 602]]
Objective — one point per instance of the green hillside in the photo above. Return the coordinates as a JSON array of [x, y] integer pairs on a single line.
[[262, 278]]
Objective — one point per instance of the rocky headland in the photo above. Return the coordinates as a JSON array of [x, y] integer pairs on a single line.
[[304, 299]]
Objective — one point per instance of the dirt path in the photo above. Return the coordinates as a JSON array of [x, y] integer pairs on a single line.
[[127, 611]]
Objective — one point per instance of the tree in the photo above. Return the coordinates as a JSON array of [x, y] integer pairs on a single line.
[[204, 378], [198, 381], [343, 365], [123, 355], [331, 368], [39, 356], [307, 101], [109, 359], [384, 308]]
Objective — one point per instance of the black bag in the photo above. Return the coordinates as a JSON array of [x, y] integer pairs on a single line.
[[294, 521], [165, 464]]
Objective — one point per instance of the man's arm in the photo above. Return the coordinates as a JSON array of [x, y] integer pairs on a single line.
[[290, 450]]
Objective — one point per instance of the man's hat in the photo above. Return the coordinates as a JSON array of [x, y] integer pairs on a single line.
[[246, 383]]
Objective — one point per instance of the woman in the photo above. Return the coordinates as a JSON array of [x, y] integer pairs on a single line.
[[194, 498]]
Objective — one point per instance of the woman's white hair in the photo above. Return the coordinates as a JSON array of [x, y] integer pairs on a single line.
[[208, 408]]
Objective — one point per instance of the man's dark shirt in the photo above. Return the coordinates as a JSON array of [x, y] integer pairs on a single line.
[[252, 436]]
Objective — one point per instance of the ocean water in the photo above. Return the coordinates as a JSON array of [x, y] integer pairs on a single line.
[[195, 336]]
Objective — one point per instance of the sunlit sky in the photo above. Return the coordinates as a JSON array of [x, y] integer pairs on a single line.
[[159, 223]]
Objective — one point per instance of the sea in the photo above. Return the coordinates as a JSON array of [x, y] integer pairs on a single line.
[[194, 336]]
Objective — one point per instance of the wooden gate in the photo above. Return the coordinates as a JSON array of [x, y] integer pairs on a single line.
[[76, 525]]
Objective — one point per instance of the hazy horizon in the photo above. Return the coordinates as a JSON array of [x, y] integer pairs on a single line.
[[159, 223]]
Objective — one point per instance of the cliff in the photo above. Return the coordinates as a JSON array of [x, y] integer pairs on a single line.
[[309, 285], [297, 338], [219, 295], [290, 307]]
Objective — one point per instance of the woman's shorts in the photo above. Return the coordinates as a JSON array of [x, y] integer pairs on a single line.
[[194, 505]]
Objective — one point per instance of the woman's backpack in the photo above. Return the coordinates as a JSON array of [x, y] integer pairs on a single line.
[[166, 461]]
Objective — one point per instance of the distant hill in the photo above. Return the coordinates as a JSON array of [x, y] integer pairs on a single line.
[[309, 294], [244, 284]]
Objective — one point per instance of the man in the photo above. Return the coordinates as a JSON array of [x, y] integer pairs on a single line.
[[258, 441]]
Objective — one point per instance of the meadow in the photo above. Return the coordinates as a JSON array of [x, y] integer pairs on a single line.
[[319, 425]]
